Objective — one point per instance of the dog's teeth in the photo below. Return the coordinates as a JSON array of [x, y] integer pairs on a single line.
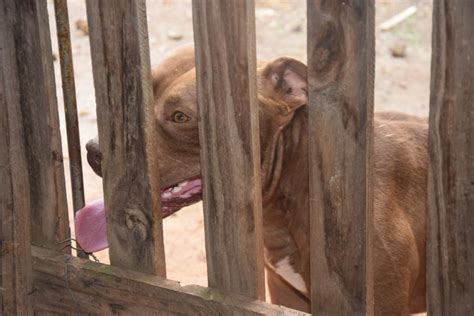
[[166, 194], [183, 184], [176, 189]]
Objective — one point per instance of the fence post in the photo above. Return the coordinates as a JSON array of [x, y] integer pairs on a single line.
[[15, 204], [341, 78], [32, 189], [122, 80], [27, 23], [230, 157], [450, 248]]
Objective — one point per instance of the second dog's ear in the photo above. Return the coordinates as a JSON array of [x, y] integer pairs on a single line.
[[285, 79]]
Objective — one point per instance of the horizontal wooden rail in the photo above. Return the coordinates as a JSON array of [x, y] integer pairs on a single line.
[[68, 284]]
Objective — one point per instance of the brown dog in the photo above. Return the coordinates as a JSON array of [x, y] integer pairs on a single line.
[[400, 143]]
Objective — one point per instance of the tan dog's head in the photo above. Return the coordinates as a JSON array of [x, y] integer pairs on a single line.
[[282, 88]]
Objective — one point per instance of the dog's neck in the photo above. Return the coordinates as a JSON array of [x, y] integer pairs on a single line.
[[285, 195]]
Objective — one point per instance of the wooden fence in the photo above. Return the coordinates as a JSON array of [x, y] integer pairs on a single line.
[[39, 275]]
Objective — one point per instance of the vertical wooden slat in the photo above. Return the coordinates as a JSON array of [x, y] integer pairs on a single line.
[[15, 203], [70, 107], [32, 183], [341, 78], [29, 27], [450, 249], [122, 80], [230, 156]]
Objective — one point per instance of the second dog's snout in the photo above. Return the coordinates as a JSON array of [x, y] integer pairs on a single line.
[[94, 156]]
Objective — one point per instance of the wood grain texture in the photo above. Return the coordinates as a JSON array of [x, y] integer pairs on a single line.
[[122, 80], [341, 78], [21, 113], [30, 51], [98, 289], [224, 36], [450, 249], [70, 107], [15, 206]]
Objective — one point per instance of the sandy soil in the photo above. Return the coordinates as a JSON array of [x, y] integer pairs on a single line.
[[402, 84]]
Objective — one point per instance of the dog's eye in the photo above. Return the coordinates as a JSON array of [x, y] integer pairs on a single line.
[[180, 117]]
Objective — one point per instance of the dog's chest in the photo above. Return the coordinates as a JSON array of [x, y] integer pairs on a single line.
[[283, 246], [284, 269], [281, 260]]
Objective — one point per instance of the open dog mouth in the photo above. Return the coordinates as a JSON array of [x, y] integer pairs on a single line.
[[91, 224], [180, 195]]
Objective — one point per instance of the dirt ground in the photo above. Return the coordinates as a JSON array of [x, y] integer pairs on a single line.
[[402, 84]]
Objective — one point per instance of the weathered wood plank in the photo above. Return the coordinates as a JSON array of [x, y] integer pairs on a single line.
[[70, 107], [31, 160], [450, 249], [16, 199], [122, 80], [15, 207], [98, 289], [341, 78], [27, 23], [230, 157]]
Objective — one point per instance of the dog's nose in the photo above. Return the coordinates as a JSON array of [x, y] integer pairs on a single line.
[[94, 156]]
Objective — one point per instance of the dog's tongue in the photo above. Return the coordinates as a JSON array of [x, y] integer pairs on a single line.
[[91, 227]]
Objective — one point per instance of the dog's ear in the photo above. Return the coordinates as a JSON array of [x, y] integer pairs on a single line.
[[285, 79]]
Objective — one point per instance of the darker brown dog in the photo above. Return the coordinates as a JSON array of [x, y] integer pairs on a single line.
[[400, 145]]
